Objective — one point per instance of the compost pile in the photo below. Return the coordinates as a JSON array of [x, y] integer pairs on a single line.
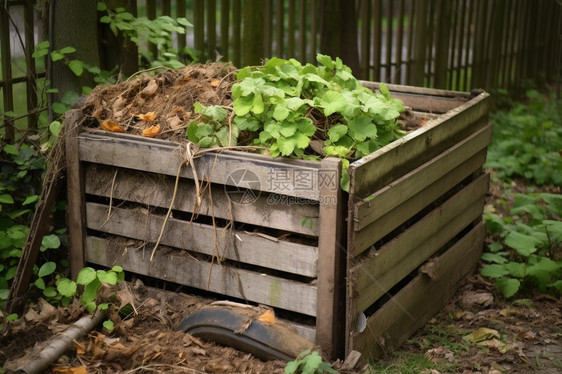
[[282, 108], [163, 102]]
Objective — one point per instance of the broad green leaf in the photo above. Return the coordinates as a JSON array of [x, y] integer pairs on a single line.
[[516, 269], [40, 283], [51, 241], [288, 131], [362, 128], [109, 325], [56, 56], [50, 292], [242, 105], [66, 287], [203, 129], [507, 286], [6, 199], [286, 145], [280, 112], [523, 244], [336, 132], [494, 271], [59, 108], [47, 268], [247, 123], [90, 291], [77, 67], [30, 199], [257, 104], [55, 128], [86, 275], [325, 60], [332, 102], [107, 276], [494, 257]]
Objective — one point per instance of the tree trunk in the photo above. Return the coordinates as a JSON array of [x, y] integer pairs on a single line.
[[253, 26], [74, 24]]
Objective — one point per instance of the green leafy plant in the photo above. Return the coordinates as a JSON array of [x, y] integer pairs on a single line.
[[284, 106], [209, 130], [527, 250], [92, 281], [141, 30], [309, 363], [527, 140]]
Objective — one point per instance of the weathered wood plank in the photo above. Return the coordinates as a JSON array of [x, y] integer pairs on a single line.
[[273, 211], [424, 296], [383, 225], [378, 273], [75, 190], [283, 176], [402, 189], [236, 245], [331, 254], [180, 267], [424, 99], [403, 155]]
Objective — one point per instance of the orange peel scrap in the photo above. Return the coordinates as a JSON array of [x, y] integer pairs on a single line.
[[152, 131], [112, 126], [215, 83]]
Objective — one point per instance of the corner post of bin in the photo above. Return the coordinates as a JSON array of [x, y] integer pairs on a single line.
[[76, 209], [331, 255]]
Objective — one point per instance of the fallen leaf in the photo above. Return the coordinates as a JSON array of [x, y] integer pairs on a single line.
[[151, 131], [481, 334], [70, 370], [80, 349], [471, 299], [215, 83], [112, 126], [150, 89], [174, 122], [267, 318], [150, 116], [494, 344]]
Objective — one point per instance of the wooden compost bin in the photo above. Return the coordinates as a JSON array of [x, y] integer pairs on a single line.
[[359, 271]]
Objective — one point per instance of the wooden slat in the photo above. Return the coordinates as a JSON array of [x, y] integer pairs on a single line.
[[201, 238], [417, 71], [331, 255], [374, 276], [388, 42], [236, 32], [157, 191], [397, 78], [402, 189], [302, 31], [313, 29], [279, 27], [383, 225], [181, 12], [377, 39], [225, 29], [75, 189], [377, 169], [6, 63], [291, 30], [163, 157], [211, 27], [442, 44], [30, 71], [179, 267], [424, 99], [365, 16], [424, 296]]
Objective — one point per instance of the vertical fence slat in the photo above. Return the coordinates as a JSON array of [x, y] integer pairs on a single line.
[[199, 28], [166, 7], [377, 40], [461, 17], [442, 44], [313, 29], [291, 30], [8, 98], [30, 71], [225, 27], [388, 42], [268, 28], [365, 19], [236, 32], [504, 68], [181, 12], [211, 29], [279, 27], [302, 31], [410, 42], [151, 14], [451, 69], [420, 34], [494, 48], [399, 43], [511, 62], [430, 45]]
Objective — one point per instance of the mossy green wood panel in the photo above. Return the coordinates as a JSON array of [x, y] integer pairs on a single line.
[[235, 245], [418, 301], [372, 277], [179, 267], [271, 211], [381, 167]]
